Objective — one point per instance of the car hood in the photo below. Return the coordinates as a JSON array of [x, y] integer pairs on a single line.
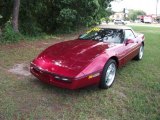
[[73, 55]]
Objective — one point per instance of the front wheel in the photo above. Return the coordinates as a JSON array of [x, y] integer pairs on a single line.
[[140, 53], [108, 74]]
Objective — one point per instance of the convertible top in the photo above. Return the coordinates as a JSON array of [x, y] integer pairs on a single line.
[[115, 27]]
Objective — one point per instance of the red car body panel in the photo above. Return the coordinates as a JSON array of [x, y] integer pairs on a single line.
[[77, 60], [70, 57], [48, 78]]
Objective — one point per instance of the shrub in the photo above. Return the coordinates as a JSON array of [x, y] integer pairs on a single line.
[[30, 28], [8, 34], [67, 19]]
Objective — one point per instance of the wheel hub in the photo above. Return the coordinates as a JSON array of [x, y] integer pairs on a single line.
[[141, 52], [110, 74]]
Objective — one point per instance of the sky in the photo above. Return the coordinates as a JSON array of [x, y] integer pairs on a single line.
[[149, 6]]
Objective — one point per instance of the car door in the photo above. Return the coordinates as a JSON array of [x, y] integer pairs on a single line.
[[130, 47], [120, 48]]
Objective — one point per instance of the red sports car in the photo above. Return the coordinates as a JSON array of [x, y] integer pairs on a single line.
[[93, 58]]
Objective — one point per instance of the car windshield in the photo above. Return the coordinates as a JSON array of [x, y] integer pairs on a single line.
[[104, 35]]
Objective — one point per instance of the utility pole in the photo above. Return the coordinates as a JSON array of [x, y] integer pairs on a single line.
[[157, 8], [124, 11]]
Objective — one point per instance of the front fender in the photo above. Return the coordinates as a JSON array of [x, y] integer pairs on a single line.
[[97, 64]]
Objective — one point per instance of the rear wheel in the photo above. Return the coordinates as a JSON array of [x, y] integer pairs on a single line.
[[108, 74]]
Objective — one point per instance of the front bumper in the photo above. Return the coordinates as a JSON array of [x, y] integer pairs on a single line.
[[73, 83]]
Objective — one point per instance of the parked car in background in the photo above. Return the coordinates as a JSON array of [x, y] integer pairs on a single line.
[[117, 22], [92, 58], [137, 21], [148, 19]]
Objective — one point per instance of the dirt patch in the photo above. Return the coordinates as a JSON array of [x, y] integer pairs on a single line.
[[120, 94], [20, 69]]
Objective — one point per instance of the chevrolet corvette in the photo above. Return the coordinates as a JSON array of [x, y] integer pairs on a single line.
[[92, 58]]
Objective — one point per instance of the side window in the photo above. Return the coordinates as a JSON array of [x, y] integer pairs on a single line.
[[129, 34]]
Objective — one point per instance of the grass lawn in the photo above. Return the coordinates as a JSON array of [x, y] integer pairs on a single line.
[[134, 96]]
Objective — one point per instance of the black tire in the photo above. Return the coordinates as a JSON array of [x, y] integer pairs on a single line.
[[139, 56], [103, 83]]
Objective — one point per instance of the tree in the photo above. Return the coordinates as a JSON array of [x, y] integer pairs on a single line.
[[133, 14], [15, 16], [48, 16]]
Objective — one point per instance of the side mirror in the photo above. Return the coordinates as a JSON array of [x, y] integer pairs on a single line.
[[128, 41], [80, 35]]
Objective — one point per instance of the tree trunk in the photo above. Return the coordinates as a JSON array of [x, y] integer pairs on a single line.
[[0, 32], [15, 16]]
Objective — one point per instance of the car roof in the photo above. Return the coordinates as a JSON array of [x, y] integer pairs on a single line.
[[115, 27]]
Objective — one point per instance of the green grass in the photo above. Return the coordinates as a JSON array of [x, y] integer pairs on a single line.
[[134, 96]]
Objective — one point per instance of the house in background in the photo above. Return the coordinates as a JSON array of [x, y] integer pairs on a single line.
[[117, 16]]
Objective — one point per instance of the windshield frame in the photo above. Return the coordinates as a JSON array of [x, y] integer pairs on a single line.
[[107, 35]]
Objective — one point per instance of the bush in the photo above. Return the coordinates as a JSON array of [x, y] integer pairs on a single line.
[[30, 29], [8, 34], [67, 19]]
